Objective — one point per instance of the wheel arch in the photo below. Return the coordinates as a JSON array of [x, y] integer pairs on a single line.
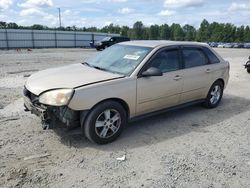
[[222, 81], [120, 101]]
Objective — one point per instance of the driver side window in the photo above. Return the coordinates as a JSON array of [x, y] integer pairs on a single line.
[[166, 60]]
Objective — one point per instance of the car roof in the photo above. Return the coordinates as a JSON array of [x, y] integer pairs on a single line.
[[158, 43]]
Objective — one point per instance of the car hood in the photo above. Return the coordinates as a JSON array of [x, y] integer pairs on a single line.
[[70, 76]]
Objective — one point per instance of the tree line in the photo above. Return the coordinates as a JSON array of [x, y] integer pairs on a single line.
[[207, 32]]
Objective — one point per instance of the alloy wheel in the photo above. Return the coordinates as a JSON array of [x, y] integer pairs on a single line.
[[215, 94], [108, 123]]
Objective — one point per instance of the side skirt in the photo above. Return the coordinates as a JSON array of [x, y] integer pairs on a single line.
[[136, 118]]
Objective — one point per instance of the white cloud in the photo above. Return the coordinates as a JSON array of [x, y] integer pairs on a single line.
[[166, 13], [79, 22], [239, 7], [5, 4], [32, 11], [36, 3], [118, 1], [36, 10], [125, 10], [183, 3], [36, 15], [89, 1], [107, 23]]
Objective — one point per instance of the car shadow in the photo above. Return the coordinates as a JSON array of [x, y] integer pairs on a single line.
[[164, 126]]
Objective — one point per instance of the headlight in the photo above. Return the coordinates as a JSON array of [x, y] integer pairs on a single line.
[[58, 97]]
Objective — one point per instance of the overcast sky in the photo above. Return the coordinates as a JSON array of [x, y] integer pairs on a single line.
[[124, 12]]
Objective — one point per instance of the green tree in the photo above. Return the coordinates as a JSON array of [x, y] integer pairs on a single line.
[[247, 34], [3, 24], [177, 32], [240, 34], [38, 27], [189, 32], [154, 32], [165, 32], [204, 33], [216, 32], [125, 31], [12, 25], [138, 30]]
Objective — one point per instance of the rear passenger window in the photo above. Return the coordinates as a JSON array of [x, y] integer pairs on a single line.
[[194, 57], [212, 58], [166, 60]]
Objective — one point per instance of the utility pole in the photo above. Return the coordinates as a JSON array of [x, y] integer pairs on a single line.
[[59, 15]]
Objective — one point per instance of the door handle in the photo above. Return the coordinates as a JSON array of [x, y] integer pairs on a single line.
[[208, 70], [177, 77]]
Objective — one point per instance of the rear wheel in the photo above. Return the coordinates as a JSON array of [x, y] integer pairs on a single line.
[[214, 95], [248, 70], [105, 122]]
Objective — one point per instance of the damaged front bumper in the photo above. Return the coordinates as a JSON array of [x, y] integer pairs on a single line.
[[51, 116]]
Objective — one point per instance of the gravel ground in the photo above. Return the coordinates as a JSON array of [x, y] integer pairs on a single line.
[[191, 147]]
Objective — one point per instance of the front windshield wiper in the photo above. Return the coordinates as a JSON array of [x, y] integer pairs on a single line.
[[96, 67], [85, 63], [100, 68]]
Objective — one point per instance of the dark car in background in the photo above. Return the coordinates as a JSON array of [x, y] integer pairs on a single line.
[[109, 41], [238, 45], [247, 45], [213, 44]]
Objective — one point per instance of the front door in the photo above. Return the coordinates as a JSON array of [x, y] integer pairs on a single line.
[[158, 92]]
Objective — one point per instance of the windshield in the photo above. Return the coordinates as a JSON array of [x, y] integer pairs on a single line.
[[121, 59], [106, 39]]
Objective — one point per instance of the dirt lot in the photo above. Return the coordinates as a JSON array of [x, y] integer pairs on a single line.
[[192, 147]]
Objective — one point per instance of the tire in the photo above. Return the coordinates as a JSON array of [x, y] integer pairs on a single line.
[[214, 95], [248, 70], [105, 122]]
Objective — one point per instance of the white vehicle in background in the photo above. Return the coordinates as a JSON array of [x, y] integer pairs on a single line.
[[221, 45], [229, 45]]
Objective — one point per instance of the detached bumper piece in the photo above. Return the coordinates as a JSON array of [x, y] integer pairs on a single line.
[[51, 116]]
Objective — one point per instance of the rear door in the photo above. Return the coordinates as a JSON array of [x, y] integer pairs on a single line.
[[158, 92], [196, 74]]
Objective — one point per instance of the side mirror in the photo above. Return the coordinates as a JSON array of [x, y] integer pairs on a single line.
[[152, 71]]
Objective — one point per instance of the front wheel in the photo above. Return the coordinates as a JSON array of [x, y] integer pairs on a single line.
[[105, 122], [214, 95], [248, 70]]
